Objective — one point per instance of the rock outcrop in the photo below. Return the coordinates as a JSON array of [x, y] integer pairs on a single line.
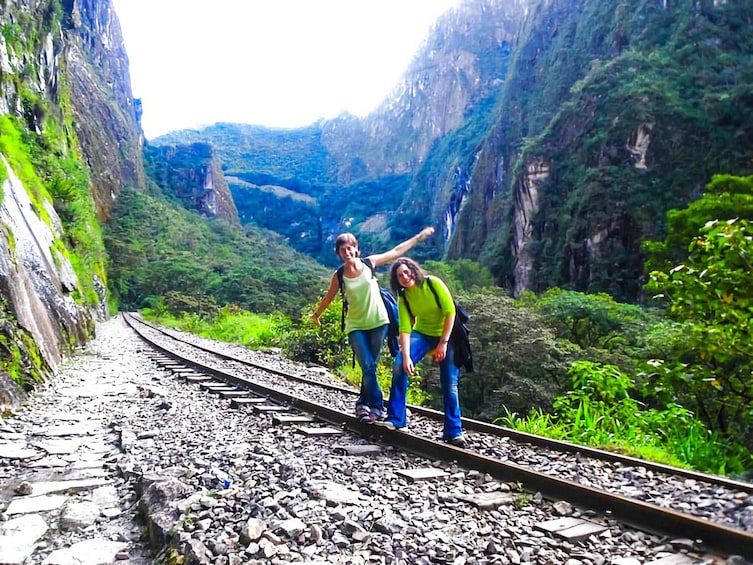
[[36, 285], [194, 174], [72, 143]]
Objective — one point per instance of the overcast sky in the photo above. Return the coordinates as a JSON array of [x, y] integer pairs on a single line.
[[279, 63]]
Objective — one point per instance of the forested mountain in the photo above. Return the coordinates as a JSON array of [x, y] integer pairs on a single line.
[[547, 138]]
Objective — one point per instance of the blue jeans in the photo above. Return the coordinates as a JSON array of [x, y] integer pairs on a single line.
[[420, 345], [367, 347]]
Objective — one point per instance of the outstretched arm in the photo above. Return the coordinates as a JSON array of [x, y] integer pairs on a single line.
[[401, 248], [333, 289]]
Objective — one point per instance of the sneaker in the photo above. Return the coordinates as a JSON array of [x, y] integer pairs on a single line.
[[368, 418], [362, 412], [385, 424], [459, 441]]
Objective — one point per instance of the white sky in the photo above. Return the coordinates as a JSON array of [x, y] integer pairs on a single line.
[[278, 63]]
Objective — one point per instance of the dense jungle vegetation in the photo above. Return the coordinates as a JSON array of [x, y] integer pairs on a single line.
[[168, 255], [670, 382]]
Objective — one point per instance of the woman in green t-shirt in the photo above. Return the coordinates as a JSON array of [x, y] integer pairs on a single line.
[[426, 311]]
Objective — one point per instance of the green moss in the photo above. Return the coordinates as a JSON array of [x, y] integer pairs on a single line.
[[13, 35], [52, 172], [20, 357]]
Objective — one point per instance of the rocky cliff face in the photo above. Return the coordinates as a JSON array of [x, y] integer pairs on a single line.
[[527, 206], [462, 63], [611, 113], [105, 115], [194, 174], [69, 129], [37, 279]]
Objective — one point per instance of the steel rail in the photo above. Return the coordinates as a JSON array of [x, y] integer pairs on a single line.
[[228, 357], [500, 431]]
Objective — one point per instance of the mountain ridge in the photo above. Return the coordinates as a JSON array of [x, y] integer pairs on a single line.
[[533, 102]]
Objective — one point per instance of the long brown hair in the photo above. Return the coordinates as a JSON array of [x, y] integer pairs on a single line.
[[412, 266]]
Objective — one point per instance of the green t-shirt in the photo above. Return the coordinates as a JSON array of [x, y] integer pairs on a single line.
[[423, 305]]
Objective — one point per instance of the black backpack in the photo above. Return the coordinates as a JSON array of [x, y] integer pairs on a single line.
[[393, 330], [460, 336]]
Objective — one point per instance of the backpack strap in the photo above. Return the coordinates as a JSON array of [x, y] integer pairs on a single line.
[[370, 265], [401, 292], [342, 295], [433, 291]]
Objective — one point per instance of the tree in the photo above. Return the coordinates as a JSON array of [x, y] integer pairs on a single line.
[[461, 275], [591, 320], [713, 292], [518, 362], [727, 197]]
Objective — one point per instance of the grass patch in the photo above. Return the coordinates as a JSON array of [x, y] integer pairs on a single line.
[[600, 412]]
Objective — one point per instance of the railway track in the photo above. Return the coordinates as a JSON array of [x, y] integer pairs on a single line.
[[714, 511]]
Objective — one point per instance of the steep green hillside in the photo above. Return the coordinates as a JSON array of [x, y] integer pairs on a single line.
[[622, 112], [162, 252]]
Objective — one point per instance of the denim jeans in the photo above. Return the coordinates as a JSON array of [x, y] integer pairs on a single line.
[[420, 345], [367, 347]]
